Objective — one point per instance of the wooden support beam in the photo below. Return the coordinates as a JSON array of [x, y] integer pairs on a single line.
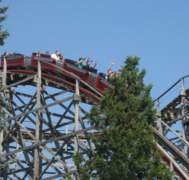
[[64, 114], [58, 151], [25, 153], [18, 83], [40, 108], [49, 141], [36, 150], [53, 130], [56, 94], [18, 118]]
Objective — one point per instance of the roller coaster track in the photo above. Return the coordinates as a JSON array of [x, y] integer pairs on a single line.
[[34, 144]]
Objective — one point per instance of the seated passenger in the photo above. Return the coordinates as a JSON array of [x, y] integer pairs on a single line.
[[107, 75], [39, 54], [61, 58], [80, 63], [6, 53], [55, 56], [89, 62], [47, 53]]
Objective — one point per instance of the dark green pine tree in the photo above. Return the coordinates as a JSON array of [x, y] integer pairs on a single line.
[[3, 34], [125, 147]]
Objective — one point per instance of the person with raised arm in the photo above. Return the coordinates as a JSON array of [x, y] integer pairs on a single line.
[[107, 75], [80, 63], [39, 54], [111, 65], [89, 62], [55, 56]]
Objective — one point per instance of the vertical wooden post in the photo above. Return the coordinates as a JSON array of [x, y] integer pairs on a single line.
[[4, 71], [66, 146], [76, 104], [159, 125], [182, 93], [187, 130], [4, 84], [36, 150], [41, 134], [16, 166], [172, 168]]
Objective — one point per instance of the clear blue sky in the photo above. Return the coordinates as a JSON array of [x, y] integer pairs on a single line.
[[156, 31]]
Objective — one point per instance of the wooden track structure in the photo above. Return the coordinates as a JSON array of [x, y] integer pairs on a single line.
[[47, 125]]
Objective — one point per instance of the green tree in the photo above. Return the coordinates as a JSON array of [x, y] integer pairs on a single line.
[[3, 34], [125, 148]]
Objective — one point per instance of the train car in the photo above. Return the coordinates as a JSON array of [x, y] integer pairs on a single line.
[[69, 65], [16, 61], [87, 74], [45, 66], [101, 84], [66, 69]]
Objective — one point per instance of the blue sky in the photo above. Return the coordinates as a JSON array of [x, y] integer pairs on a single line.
[[156, 31]]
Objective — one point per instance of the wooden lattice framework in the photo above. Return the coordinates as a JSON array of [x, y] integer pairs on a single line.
[[39, 142]]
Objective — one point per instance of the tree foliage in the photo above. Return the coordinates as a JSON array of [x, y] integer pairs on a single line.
[[4, 165], [125, 147], [3, 34]]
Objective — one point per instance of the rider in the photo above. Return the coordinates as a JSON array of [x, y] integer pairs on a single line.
[[6, 53], [55, 56], [107, 75], [39, 54], [80, 63]]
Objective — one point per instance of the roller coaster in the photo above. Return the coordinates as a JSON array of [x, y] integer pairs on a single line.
[[47, 122]]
